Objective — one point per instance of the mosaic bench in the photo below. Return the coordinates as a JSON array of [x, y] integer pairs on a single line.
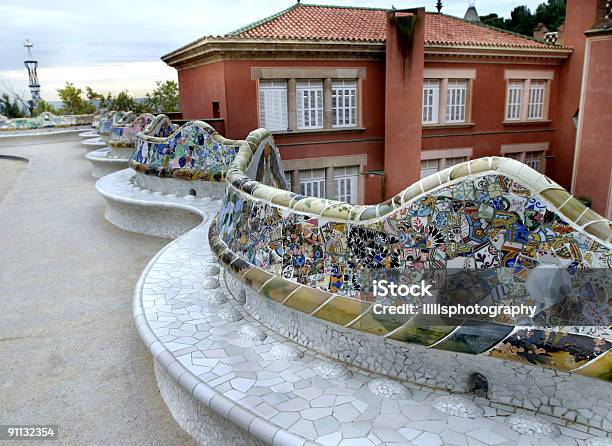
[[159, 167], [120, 146], [107, 120], [306, 265], [192, 159], [43, 121], [245, 357]]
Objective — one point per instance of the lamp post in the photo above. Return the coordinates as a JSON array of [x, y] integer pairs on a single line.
[[32, 65]]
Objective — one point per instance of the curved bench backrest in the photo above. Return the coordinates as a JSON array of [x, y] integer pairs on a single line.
[[123, 135], [194, 151], [485, 225]]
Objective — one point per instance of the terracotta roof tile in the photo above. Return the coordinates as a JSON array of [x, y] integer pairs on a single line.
[[318, 22]]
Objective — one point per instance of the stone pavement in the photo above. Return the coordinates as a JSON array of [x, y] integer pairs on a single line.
[[69, 351]]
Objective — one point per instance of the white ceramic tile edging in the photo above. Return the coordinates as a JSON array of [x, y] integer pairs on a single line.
[[104, 164], [9, 139], [248, 421]]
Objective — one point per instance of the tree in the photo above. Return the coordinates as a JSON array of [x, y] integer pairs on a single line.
[[103, 101], [74, 104], [124, 101], [522, 21], [10, 107], [165, 98], [494, 20], [551, 14], [44, 106]]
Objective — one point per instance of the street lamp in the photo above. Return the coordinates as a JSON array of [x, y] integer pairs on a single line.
[[32, 65]]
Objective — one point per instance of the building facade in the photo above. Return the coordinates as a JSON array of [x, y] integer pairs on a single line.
[[364, 102]]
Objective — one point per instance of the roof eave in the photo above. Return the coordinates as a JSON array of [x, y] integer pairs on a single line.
[[211, 49]]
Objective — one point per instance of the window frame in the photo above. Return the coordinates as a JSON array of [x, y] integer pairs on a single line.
[[309, 103], [519, 152], [343, 89], [271, 85], [442, 157], [528, 78], [446, 78]]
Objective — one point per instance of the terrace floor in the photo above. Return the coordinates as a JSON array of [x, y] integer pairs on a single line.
[[69, 351]]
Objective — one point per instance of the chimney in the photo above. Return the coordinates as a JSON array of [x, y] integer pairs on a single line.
[[539, 31], [471, 15]]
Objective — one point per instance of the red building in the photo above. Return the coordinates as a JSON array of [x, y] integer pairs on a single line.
[[363, 101]]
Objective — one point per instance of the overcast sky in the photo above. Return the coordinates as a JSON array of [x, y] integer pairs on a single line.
[[113, 45]]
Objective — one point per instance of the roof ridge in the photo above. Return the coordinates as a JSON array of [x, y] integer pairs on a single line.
[[493, 28], [259, 22], [369, 8]]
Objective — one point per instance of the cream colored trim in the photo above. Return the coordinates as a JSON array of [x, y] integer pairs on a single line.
[[325, 162], [449, 73], [307, 73], [528, 147], [529, 74], [446, 153]]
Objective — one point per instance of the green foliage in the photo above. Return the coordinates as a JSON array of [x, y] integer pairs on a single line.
[[44, 106], [523, 21], [74, 104], [552, 14], [10, 107], [123, 101], [165, 98], [103, 101]]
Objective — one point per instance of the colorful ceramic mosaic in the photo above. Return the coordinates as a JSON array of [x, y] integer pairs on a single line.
[[123, 135], [195, 151], [44, 120], [110, 119], [481, 227]]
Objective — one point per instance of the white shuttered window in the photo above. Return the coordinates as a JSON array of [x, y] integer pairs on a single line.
[[273, 104], [456, 98], [515, 99], [536, 100], [312, 182], [344, 103], [431, 99], [345, 184], [309, 104], [429, 167]]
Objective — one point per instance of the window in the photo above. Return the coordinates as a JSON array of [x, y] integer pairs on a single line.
[[431, 98], [288, 178], [429, 167], [515, 98], [446, 100], [312, 182], [216, 113], [344, 103], [273, 104], [433, 161], [532, 154], [309, 96], [456, 99], [536, 100], [345, 184], [534, 160], [527, 95], [448, 162]]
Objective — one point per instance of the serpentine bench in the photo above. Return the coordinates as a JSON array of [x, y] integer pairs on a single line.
[[45, 120], [120, 146], [107, 120], [274, 341]]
